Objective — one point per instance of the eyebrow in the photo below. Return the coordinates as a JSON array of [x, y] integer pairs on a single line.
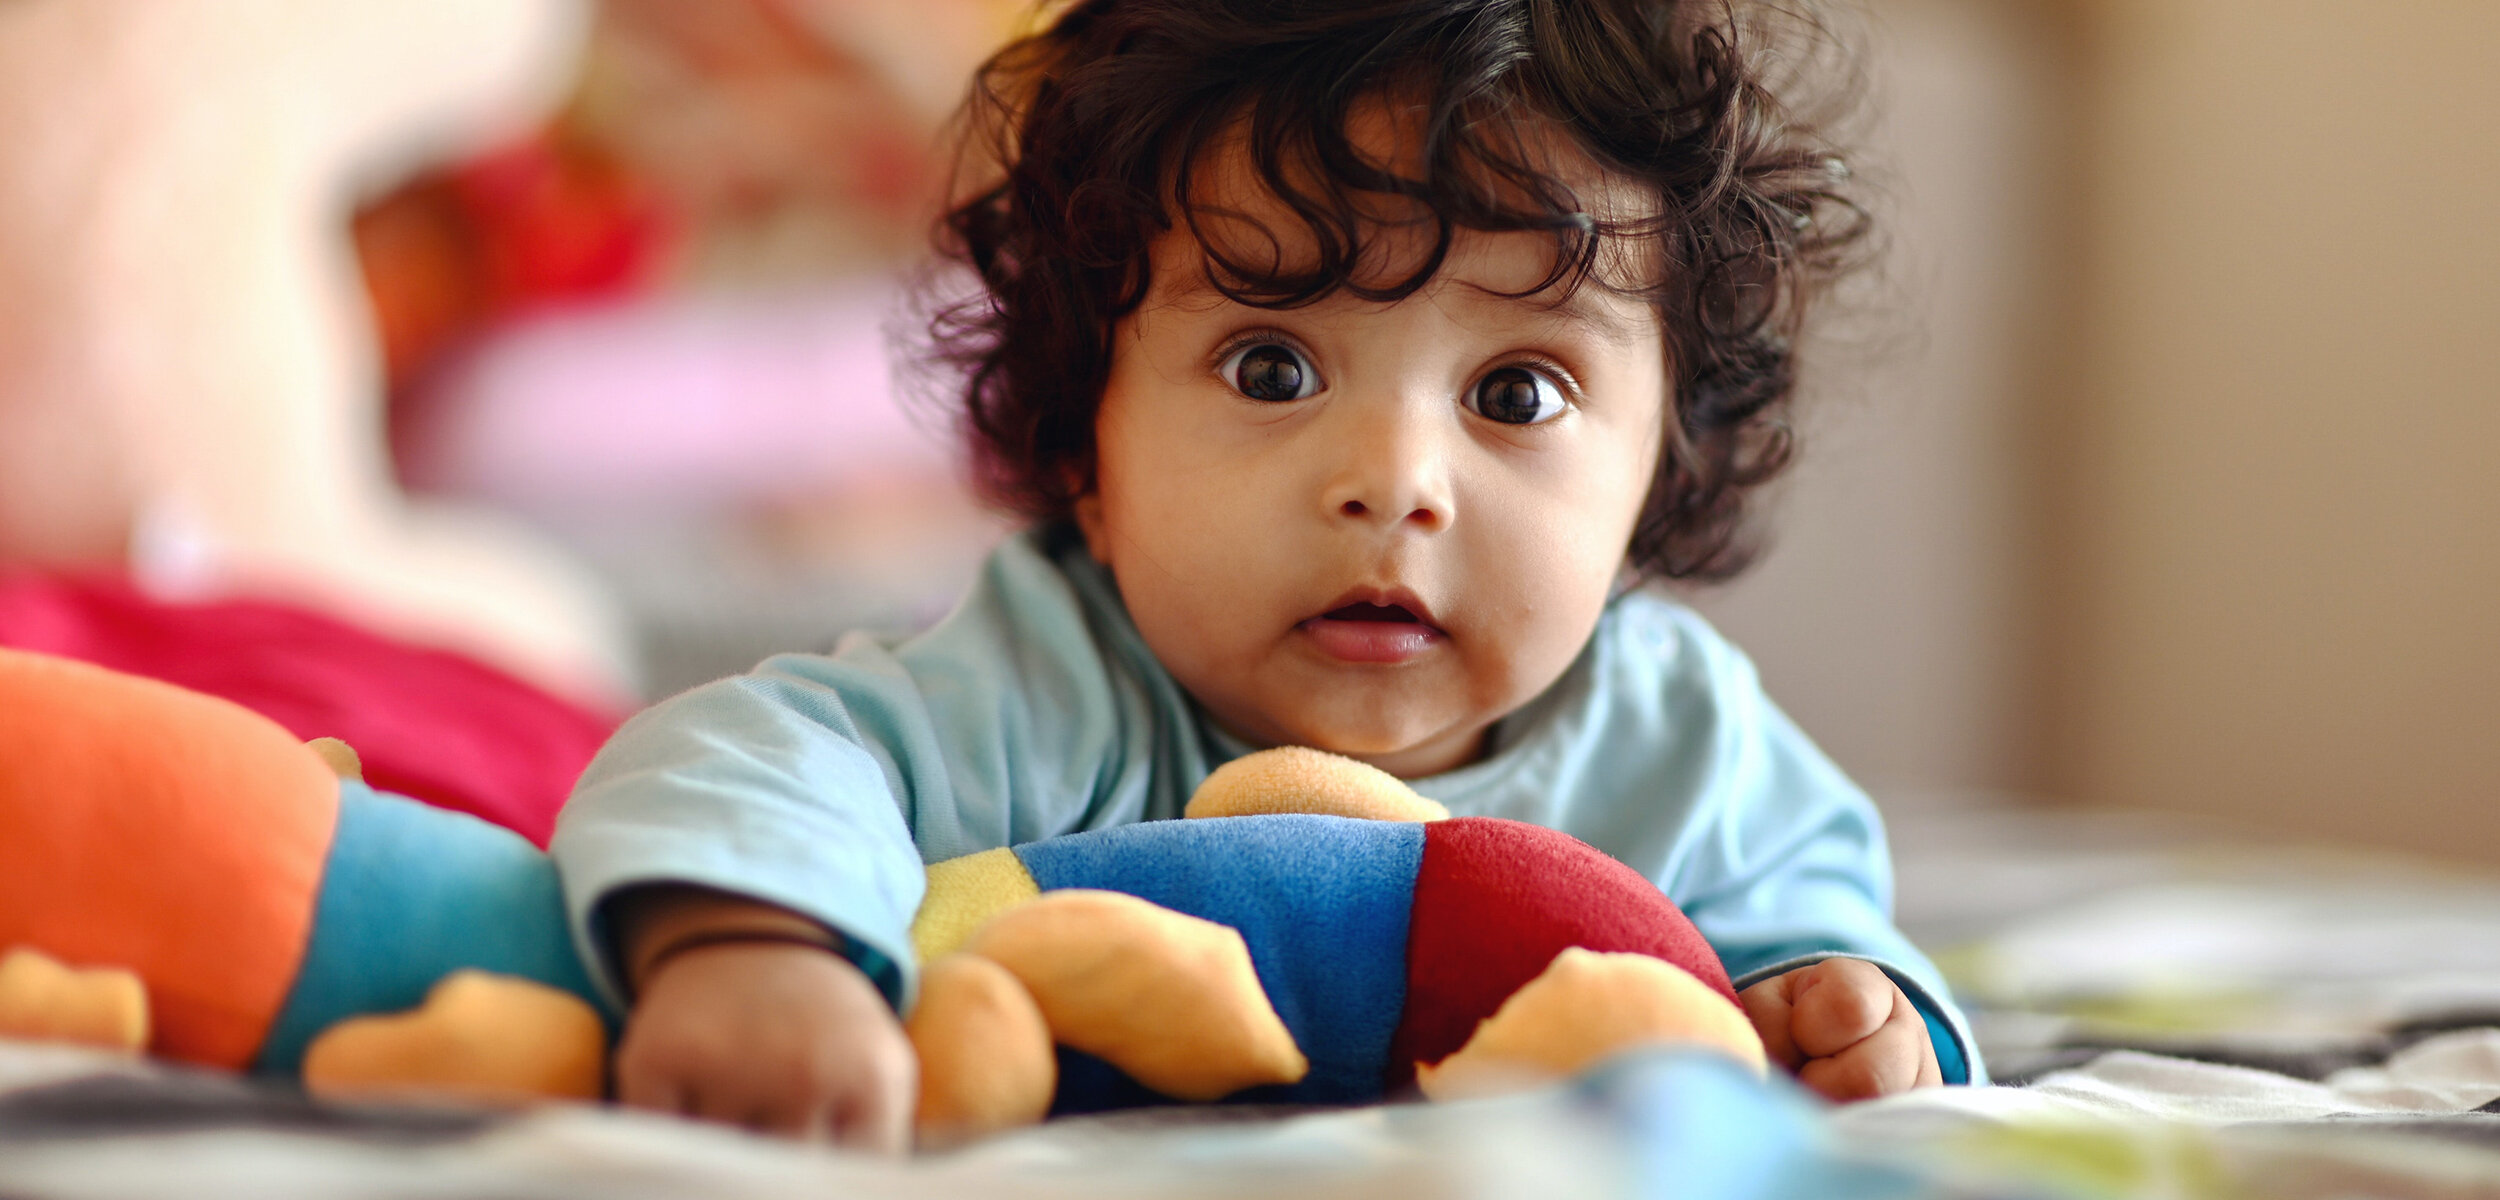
[[1583, 308], [1191, 285]]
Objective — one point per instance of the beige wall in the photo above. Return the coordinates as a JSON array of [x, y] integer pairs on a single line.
[[2279, 438], [2184, 491]]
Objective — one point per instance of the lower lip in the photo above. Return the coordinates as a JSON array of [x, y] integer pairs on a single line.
[[1371, 641]]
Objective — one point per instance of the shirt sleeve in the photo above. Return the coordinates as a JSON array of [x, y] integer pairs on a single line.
[[1788, 864], [822, 783]]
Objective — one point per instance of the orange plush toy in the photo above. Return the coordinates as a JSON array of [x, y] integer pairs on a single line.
[[239, 898]]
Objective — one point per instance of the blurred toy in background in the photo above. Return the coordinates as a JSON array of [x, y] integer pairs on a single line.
[[800, 138], [734, 145], [637, 276], [662, 324], [189, 383], [546, 221]]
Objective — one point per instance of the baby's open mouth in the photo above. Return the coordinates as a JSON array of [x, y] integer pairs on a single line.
[[1370, 631], [1372, 612]]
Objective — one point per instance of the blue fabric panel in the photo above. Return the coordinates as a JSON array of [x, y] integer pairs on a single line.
[[1322, 903], [1950, 1064], [412, 893], [1089, 1085]]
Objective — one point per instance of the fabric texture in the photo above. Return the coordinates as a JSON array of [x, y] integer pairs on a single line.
[[823, 783], [412, 893], [963, 894], [1274, 879], [173, 834], [1495, 901], [428, 723]]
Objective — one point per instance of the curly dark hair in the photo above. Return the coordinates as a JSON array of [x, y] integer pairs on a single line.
[[1082, 139]]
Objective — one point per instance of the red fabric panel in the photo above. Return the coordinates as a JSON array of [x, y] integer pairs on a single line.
[[428, 723], [1495, 901]]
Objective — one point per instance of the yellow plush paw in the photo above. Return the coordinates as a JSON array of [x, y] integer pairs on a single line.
[[42, 1000], [1298, 779], [986, 1060], [1584, 1007], [478, 1036], [1167, 997], [340, 757]]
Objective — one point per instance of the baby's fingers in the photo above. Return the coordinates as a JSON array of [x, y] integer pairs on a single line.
[[1895, 1058], [649, 1081], [875, 1112], [663, 1080], [1766, 1005], [875, 1124], [1840, 1002]]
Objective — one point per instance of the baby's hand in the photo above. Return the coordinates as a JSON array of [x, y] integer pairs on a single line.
[[783, 1039], [1845, 1029]]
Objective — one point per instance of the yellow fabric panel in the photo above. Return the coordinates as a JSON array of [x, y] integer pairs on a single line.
[[963, 894]]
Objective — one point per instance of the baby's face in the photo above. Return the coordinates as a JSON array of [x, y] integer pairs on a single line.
[[1375, 529]]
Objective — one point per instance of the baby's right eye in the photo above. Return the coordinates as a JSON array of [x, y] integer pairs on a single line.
[[1269, 371]]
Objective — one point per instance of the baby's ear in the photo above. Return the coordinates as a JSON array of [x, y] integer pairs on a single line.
[[1088, 513]]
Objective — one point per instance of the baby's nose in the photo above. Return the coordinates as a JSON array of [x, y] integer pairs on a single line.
[[1392, 471], [1425, 516]]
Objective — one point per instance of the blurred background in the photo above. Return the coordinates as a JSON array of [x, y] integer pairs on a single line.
[[2158, 479], [2184, 500]]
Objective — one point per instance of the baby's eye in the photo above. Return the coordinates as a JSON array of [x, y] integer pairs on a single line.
[[1268, 371], [1516, 396]]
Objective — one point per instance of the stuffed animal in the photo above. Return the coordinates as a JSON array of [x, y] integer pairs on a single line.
[[189, 387], [1387, 943], [1314, 931], [263, 895]]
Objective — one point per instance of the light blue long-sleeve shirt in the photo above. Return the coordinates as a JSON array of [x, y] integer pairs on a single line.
[[824, 783]]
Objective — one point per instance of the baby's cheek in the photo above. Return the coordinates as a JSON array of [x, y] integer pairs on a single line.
[[1522, 648], [1168, 594]]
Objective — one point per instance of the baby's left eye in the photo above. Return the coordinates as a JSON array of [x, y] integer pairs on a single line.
[[1516, 396], [1269, 371]]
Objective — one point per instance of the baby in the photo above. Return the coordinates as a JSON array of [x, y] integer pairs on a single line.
[[1355, 359]]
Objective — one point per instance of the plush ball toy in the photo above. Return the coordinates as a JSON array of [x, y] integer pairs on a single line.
[[231, 897], [1388, 943]]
